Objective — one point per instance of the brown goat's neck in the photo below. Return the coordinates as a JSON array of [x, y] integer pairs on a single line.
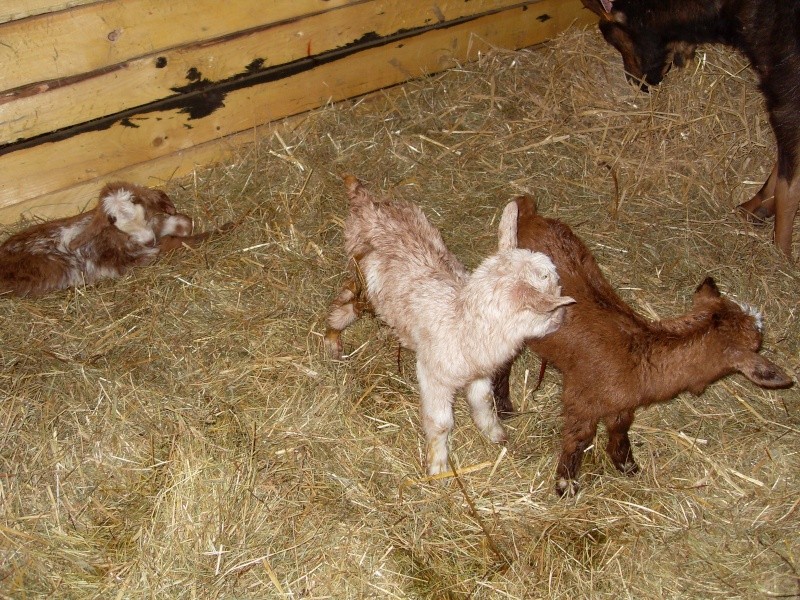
[[677, 355]]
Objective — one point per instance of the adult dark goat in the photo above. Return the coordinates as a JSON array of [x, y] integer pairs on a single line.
[[653, 35]]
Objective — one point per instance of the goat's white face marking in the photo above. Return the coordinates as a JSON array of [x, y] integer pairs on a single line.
[[130, 217], [753, 312]]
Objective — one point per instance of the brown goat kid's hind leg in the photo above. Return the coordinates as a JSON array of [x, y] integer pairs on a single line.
[[762, 206], [502, 392], [578, 435], [619, 444], [787, 199], [345, 310]]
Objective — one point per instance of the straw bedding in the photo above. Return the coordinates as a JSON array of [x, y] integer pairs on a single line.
[[180, 433]]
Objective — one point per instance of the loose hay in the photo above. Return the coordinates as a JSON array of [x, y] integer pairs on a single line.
[[180, 434]]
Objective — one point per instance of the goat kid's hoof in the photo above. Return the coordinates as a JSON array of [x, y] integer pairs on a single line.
[[333, 344], [566, 488], [503, 407], [754, 216], [629, 468], [437, 467], [496, 434]]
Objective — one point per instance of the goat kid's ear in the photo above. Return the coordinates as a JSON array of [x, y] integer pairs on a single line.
[[762, 371], [599, 7], [507, 231], [549, 303], [559, 301], [99, 222], [165, 203], [708, 289], [541, 302]]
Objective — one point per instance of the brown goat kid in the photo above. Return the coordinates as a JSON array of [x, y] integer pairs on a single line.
[[614, 361], [130, 226], [463, 326], [653, 35]]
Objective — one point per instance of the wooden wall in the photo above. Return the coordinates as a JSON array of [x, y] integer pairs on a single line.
[[147, 89]]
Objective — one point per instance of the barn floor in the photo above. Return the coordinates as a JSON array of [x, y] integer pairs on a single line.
[[180, 433]]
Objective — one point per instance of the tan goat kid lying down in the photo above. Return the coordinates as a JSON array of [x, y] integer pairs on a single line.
[[130, 226], [614, 361], [462, 326]]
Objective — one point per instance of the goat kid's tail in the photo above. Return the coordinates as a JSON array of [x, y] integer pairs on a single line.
[[526, 206], [359, 195]]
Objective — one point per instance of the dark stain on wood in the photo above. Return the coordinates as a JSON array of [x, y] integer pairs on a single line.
[[255, 66]]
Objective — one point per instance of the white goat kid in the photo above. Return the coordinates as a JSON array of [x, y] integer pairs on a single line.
[[462, 326]]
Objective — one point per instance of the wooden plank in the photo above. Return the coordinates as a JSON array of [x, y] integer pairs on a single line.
[[154, 77], [96, 36], [154, 173], [11, 10], [94, 154]]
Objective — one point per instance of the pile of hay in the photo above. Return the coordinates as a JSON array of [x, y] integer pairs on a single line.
[[180, 434]]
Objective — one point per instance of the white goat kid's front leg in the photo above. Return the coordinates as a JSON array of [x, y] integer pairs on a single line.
[[481, 404], [436, 415]]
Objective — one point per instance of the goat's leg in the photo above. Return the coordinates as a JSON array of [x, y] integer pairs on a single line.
[[501, 390], [578, 435], [175, 232], [619, 444], [787, 199], [345, 310], [436, 416], [479, 397], [169, 243], [762, 206]]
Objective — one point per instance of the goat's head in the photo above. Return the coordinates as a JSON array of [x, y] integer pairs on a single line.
[[536, 287], [646, 54], [527, 279], [144, 214], [520, 288], [734, 334]]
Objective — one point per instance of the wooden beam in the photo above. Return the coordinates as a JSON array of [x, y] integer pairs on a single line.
[[95, 36], [21, 9]]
